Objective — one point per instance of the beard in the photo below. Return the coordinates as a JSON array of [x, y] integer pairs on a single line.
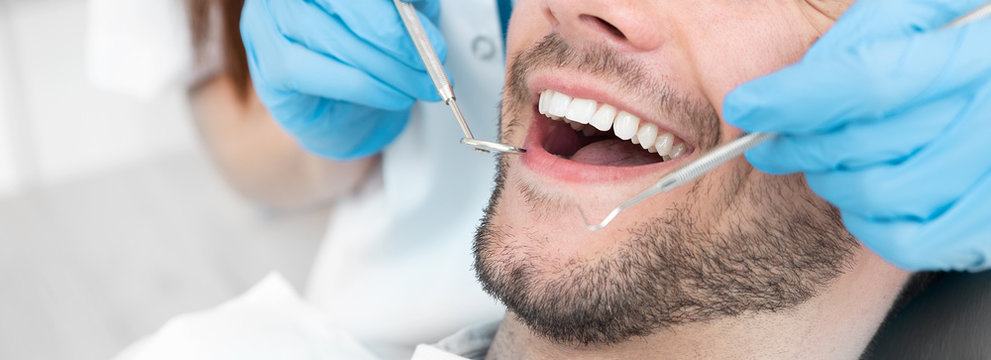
[[765, 244]]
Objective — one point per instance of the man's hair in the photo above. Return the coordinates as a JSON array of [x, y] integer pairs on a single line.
[[202, 14]]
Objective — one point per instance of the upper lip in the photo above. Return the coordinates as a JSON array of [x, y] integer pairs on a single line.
[[602, 95]]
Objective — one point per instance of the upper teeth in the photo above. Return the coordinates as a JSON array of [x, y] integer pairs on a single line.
[[584, 114]]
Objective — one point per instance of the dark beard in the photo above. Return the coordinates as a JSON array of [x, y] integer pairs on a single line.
[[673, 269]]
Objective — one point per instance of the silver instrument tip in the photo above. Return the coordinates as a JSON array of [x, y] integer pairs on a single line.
[[605, 222]]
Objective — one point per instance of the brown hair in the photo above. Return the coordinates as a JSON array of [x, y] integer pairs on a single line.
[[235, 61]]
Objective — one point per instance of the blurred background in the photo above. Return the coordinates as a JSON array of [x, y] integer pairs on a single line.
[[112, 216]]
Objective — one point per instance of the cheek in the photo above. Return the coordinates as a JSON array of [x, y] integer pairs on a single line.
[[528, 25], [740, 44]]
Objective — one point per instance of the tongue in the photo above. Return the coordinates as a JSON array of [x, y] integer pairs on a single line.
[[614, 152]]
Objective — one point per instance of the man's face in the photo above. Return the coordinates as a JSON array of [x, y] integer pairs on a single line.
[[733, 242]]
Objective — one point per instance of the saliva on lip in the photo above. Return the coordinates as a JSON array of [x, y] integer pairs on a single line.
[[594, 119]]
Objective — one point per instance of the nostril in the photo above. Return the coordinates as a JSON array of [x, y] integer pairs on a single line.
[[605, 25]]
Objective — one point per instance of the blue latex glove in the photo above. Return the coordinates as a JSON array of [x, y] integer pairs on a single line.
[[890, 121], [339, 75]]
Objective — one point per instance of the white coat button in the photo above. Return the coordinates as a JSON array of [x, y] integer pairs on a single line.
[[483, 47]]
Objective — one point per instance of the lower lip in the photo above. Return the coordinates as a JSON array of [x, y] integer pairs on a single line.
[[542, 162]]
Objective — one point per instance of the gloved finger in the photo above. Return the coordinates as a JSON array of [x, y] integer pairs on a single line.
[[378, 23], [279, 65], [870, 81], [429, 8], [925, 183], [858, 144], [334, 80], [367, 137], [296, 20], [868, 19], [958, 239]]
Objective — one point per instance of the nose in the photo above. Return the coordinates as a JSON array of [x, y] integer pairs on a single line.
[[636, 24]]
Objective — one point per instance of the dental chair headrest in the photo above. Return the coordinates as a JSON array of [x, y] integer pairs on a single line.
[[949, 319]]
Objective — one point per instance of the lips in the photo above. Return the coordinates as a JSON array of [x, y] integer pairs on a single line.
[[574, 147]]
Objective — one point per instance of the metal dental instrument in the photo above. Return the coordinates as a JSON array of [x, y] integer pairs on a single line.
[[686, 173], [437, 74], [723, 153]]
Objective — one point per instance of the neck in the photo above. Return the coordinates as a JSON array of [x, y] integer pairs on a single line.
[[836, 324]]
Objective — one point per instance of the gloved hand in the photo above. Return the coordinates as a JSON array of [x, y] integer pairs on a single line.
[[339, 75], [889, 118]]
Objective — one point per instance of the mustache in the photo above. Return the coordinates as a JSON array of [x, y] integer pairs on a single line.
[[698, 118]]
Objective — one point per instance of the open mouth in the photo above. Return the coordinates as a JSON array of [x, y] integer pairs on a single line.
[[592, 133]]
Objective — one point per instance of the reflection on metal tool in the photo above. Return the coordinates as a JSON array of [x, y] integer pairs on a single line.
[[437, 74], [687, 172], [723, 153]]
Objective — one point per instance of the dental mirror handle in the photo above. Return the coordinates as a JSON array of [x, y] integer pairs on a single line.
[[435, 68]]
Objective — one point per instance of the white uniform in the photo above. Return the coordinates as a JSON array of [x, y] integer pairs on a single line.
[[395, 267]]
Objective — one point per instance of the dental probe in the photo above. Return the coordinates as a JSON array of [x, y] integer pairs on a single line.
[[439, 77], [686, 173], [723, 153]]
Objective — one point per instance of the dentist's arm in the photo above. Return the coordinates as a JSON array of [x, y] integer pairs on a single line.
[[258, 159], [889, 118]]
